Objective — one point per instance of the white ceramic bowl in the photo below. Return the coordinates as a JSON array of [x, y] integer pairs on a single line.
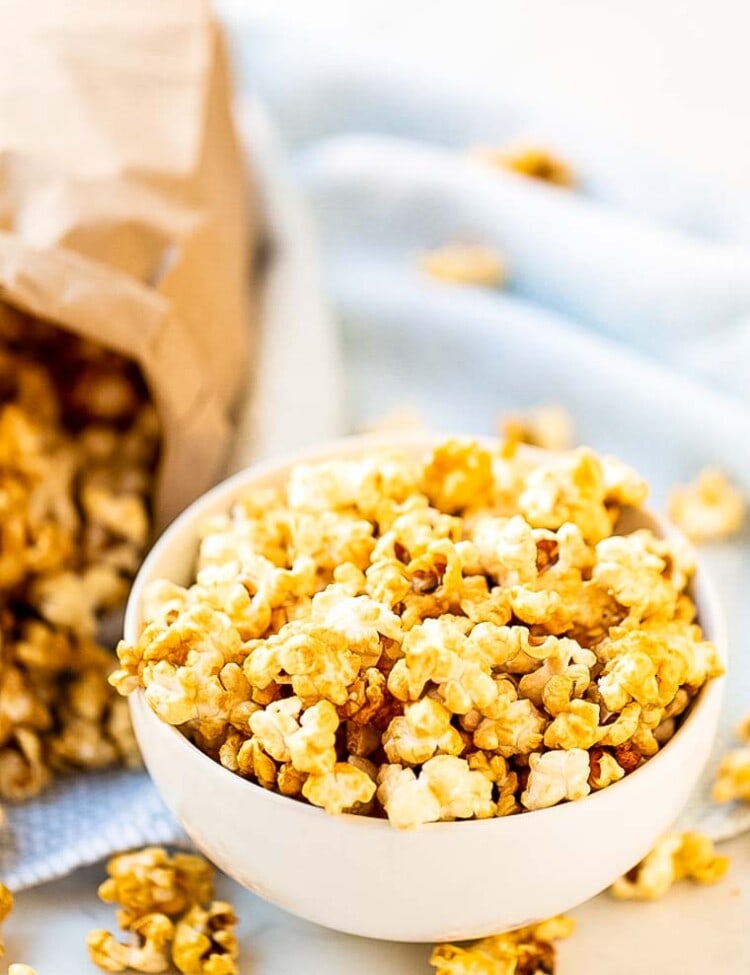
[[444, 881]]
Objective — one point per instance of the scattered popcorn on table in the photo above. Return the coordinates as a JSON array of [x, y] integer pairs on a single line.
[[710, 509], [465, 264], [677, 856], [526, 951], [150, 881], [533, 161], [78, 444], [733, 776], [166, 906], [205, 942], [549, 427], [453, 637]]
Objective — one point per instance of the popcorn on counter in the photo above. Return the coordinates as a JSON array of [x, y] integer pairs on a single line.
[[461, 636], [677, 856], [527, 950], [166, 905]]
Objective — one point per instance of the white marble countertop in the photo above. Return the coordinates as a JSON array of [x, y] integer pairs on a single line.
[[692, 931]]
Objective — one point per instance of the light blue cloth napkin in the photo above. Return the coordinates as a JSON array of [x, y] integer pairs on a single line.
[[628, 299]]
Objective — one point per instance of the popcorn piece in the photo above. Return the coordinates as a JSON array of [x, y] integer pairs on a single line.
[[567, 667], [438, 651], [575, 727], [513, 728], [556, 776], [472, 264], [446, 789], [675, 857], [633, 574], [457, 474], [743, 729], [604, 769], [572, 489], [506, 548], [339, 790], [312, 748], [548, 427], [708, 510], [150, 881], [525, 950], [733, 776], [529, 160], [124, 516], [74, 601], [147, 951], [424, 730], [22, 770], [21, 970], [6, 906], [273, 727], [205, 942], [360, 619]]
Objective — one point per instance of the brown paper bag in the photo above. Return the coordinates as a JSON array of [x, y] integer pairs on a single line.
[[123, 206]]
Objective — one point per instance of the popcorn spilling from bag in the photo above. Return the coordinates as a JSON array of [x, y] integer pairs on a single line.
[[78, 444], [454, 636], [167, 909]]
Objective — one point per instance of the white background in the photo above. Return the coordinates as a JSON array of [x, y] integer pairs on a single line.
[[673, 75]]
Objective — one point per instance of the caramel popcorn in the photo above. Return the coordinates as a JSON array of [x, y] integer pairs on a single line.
[[150, 881], [710, 509], [456, 636], [733, 776], [525, 951], [342, 789], [533, 161], [205, 942], [166, 907], [549, 427], [677, 856], [445, 789], [465, 264], [78, 444], [6, 906], [555, 776], [147, 950]]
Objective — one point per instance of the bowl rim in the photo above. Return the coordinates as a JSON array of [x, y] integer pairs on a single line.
[[346, 447]]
